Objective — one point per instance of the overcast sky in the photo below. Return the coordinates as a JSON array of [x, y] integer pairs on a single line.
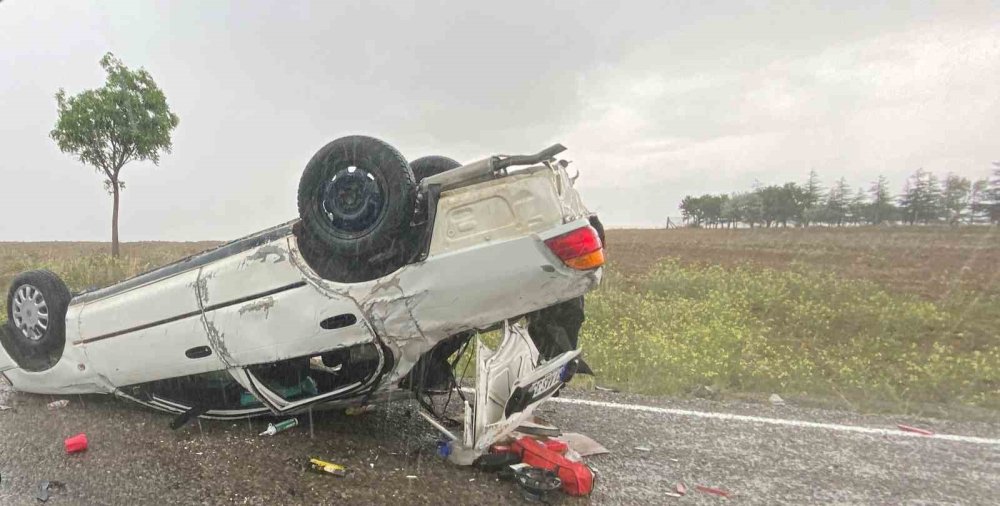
[[654, 99]]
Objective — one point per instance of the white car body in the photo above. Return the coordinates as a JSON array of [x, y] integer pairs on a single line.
[[256, 301]]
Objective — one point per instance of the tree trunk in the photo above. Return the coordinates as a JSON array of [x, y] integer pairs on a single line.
[[114, 218]]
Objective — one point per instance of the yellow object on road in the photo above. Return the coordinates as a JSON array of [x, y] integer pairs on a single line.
[[323, 466]]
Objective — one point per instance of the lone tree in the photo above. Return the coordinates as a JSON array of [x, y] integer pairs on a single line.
[[125, 120]]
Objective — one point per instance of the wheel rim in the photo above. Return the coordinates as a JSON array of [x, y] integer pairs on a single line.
[[352, 200], [30, 312]]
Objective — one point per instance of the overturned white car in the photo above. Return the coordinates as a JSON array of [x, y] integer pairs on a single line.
[[390, 269]]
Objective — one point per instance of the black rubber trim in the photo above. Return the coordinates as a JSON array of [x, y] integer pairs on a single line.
[[192, 262], [213, 307], [339, 321], [198, 352]]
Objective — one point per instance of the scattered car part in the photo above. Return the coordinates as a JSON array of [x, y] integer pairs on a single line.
[[681, 488], [322, 466], [535, 482], [577, 478], [42, 493], [61, 403], [915, 430], [274, 428], [494, 462], [76, 444], [713, 491], [776, 400], [532, 428], [583, 445]]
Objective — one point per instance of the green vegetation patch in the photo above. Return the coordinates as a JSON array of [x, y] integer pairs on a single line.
[[752, 329]]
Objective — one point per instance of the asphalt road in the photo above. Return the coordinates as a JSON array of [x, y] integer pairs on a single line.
[[135, 458]]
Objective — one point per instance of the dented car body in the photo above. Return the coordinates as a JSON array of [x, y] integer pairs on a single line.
[[251, 328]]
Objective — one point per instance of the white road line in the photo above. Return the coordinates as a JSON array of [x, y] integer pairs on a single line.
[[775, 421]]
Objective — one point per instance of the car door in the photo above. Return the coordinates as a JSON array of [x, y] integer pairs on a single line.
[[149, 332], [259, 309]]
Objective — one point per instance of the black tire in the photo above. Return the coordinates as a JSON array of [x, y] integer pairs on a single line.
[[355, 220], [30, 330], [430, 165]]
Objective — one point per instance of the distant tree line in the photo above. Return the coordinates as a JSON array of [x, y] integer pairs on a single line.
[[925, 199]]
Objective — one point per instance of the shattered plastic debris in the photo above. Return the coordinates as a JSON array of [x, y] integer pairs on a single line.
[[681, 488], [642, 448], [61, 403], [4, 408], [322, 466], [599, 388], [535, 482], [76, 444], [42, 494], [495, 462], [776, 400], [915, 430], [712, 490], [359, 410], [274, 428], [577, 478]]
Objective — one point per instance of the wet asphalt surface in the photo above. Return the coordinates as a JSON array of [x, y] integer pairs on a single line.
[[135, 458]]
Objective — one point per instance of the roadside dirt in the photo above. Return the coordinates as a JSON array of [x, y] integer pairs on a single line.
[[135, 458]]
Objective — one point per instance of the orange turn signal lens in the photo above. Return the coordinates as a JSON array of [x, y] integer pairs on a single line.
[[591, 260]]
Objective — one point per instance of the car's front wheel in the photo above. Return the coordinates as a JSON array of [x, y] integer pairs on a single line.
[[36, 312]]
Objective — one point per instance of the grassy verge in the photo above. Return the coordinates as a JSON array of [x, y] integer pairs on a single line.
[[86, 265], [751, 329]]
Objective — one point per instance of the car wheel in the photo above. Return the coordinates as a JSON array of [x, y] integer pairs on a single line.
[[430, 165], [36, 311], [356, 199]]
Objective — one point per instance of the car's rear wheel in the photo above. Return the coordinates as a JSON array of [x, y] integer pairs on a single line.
[[430, 165], [356, 199], [36, 313]]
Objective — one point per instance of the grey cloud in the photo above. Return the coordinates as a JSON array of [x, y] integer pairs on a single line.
[[654, 99]]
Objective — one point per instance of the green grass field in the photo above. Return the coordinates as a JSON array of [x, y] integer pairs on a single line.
[[896, 319]]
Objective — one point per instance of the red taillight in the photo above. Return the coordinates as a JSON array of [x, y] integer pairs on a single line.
[[579, 249]]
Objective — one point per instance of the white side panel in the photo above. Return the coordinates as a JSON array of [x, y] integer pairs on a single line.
[[152, 354], [277, 326], [157, 301], [283, 325], [255, 271]]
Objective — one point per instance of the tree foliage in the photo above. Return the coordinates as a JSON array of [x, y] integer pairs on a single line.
[[924, 200], [126, 120]]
